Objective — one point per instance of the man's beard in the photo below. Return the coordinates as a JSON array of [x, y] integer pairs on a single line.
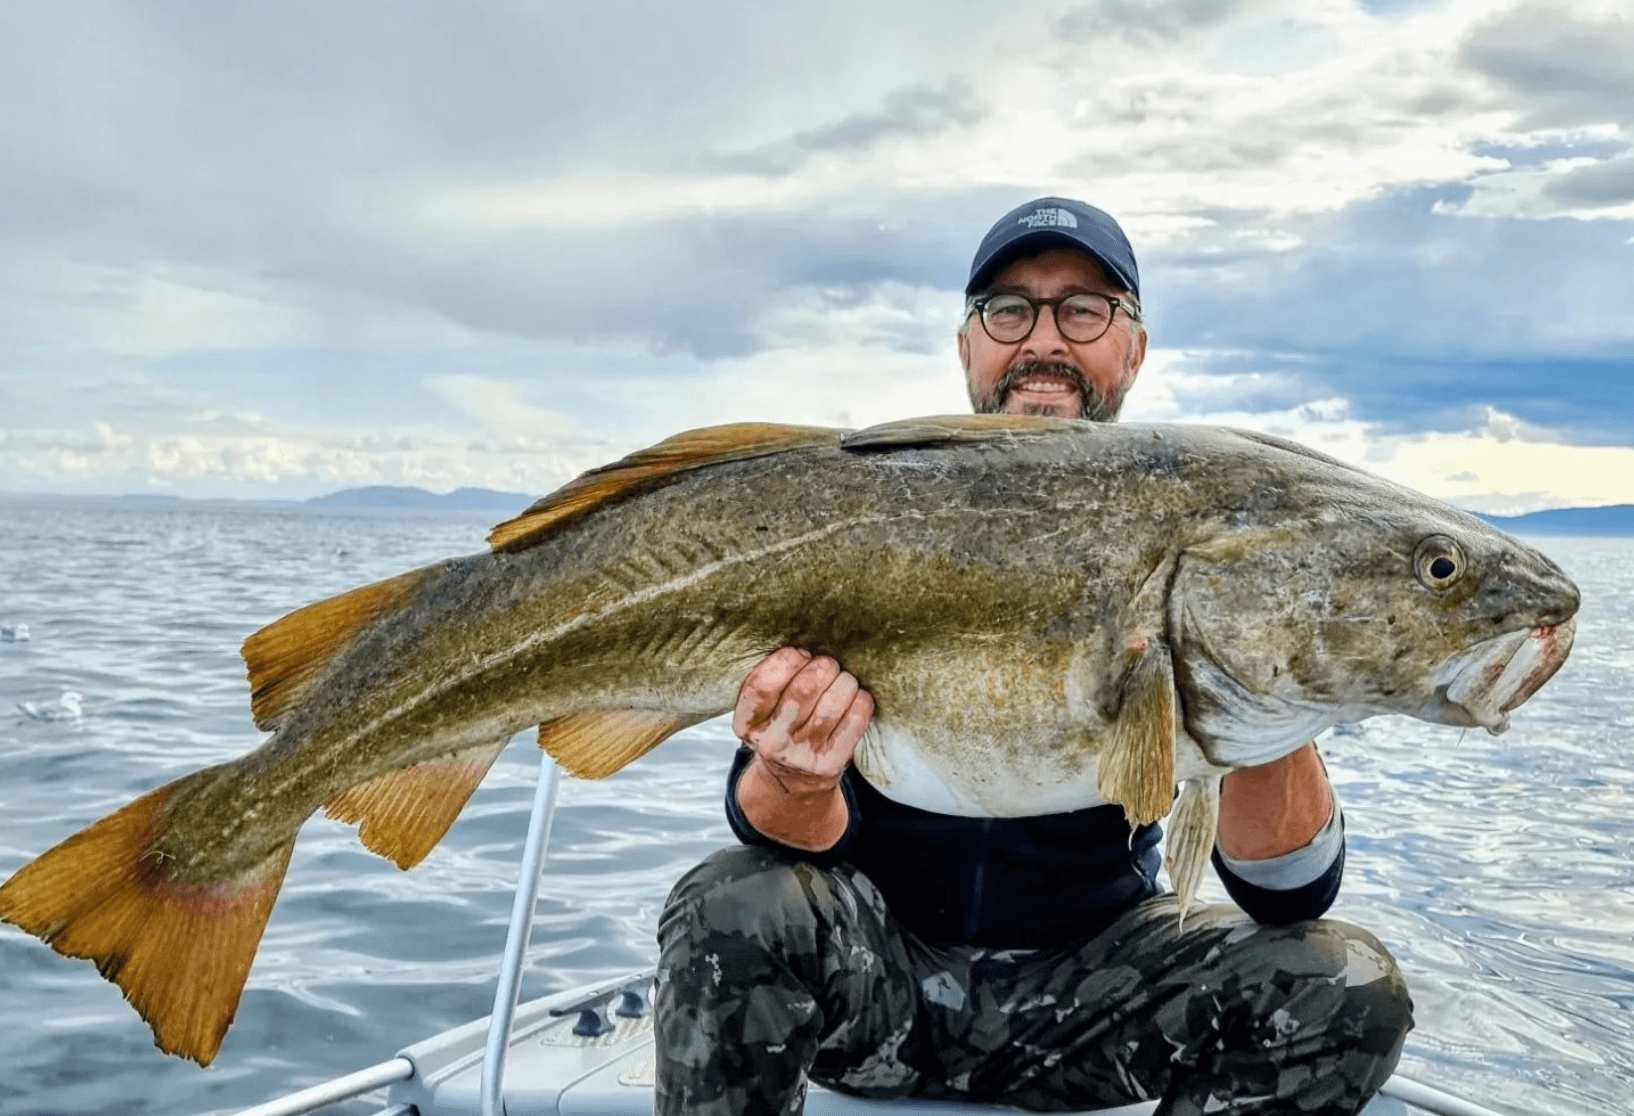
[[1096, 407]]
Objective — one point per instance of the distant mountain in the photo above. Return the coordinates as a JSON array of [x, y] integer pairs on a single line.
[[1617, 519], [398, 498]]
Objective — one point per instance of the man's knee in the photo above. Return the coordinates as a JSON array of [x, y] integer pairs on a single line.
[[1363, 967], [759, 894], [1343, 971]]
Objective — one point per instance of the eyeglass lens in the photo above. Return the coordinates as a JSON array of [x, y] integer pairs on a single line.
[[1079, 317]]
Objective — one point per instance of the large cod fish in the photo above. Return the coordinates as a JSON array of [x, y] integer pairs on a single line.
[[1051, 614]]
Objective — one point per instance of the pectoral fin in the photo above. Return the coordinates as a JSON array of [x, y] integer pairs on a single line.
[[1136, 767], [1192, 831]]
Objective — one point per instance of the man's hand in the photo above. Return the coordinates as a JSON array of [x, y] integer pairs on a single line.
[[804, 718]]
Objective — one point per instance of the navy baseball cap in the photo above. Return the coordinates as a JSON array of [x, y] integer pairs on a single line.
[[1049, 223]]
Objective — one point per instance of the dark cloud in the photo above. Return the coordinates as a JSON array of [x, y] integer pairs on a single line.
[[914, 111], [1417, 316], [1602, 184], [1144, 22], [917, 111], [1562, 69], [1443, 100]]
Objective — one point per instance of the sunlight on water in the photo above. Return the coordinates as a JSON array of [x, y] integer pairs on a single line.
[[1498, 869]]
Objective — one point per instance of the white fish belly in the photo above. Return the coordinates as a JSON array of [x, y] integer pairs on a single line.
[[971, 778], [904, 769]]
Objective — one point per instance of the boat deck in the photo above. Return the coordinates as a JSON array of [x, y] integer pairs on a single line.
[[591, 1051]]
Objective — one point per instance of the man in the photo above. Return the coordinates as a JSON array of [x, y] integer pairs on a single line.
[[888, 951]]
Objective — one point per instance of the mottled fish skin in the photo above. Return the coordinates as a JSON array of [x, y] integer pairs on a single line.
[[1050, 614]]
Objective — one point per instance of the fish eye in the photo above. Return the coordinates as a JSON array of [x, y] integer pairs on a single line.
[[1439, 562]]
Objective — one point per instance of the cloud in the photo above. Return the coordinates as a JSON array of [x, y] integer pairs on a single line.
[[1561, 65], [1501, 465], [1596, 185], [1149, 24], [158, 311], [500, 406], [263, 245], [911, 112], [282, 462]]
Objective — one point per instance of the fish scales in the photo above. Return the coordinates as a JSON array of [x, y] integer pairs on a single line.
[[1050, 614], [502, 623]]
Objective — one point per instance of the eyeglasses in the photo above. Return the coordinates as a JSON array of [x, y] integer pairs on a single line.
[[1082, 318]]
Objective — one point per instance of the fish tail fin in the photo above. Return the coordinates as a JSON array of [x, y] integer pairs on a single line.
[[180, 950], [1192, 830]]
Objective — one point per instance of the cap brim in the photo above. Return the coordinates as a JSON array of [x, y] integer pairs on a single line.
[[1033, 244]]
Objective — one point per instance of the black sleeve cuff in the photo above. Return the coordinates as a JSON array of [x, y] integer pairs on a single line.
[[1296, 904], [749, 835]]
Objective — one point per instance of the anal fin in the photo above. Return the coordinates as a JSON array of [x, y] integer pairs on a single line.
[[403, 814], [594, 745]]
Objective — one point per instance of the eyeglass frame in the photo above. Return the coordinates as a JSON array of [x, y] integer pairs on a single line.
[[978, 306]]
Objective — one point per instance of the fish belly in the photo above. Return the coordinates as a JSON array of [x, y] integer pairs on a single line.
[[974, 778]]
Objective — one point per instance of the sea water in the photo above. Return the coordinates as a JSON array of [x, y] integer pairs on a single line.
[[1498, 869]]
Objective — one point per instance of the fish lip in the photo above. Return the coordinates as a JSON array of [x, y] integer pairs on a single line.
[[1499, 674]]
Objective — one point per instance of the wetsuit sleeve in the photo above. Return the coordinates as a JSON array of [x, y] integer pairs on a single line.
[[1293, 887], [749, 835]]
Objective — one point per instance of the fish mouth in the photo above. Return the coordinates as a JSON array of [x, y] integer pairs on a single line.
[[1499, 674]]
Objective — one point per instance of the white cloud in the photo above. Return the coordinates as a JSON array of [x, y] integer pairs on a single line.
[[155, 311], [501, 405], [1544, 192], [1505, 466], [524, 275]]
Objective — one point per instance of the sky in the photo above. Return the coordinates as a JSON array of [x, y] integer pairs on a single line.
[[274, 250]]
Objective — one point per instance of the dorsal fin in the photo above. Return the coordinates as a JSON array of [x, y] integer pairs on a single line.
[[942, 430], [287, 654], [693, 449]]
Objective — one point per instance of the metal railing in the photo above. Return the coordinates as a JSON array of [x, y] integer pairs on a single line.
[[516, 939], [359, 1084]]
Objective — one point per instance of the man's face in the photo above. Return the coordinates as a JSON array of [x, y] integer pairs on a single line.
[[1044, 373]]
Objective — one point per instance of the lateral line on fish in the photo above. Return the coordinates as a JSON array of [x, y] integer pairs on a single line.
[[634, 599], [670, 582]]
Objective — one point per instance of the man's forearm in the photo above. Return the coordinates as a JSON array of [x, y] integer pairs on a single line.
[[1272, 810], [794, 809]]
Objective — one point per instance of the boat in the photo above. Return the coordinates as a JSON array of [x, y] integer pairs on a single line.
[[590, 1049]]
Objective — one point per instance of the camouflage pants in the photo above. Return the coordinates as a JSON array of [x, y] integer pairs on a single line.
[[771, 969]]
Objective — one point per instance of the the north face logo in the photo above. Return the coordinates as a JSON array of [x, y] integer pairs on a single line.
[[1049, 218]]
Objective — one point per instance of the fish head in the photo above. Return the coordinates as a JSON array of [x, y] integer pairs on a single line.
[[1358, 601]]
